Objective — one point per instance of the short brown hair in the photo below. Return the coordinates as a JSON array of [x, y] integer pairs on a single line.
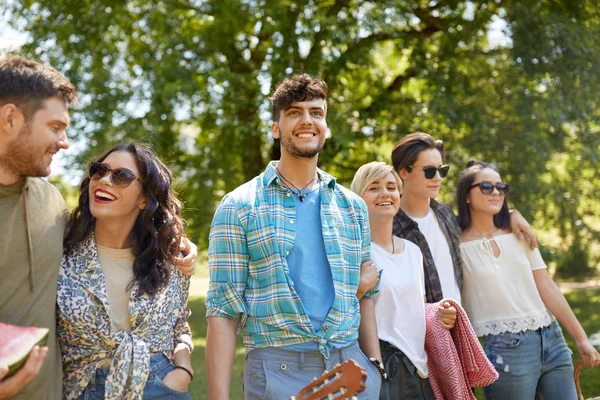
[[27, 83], [406, 151], [296, 88]]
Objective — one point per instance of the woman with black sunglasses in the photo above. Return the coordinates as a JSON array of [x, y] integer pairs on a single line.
[[510, 298], [122, 304]]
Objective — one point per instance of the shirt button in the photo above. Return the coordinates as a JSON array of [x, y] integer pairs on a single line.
[[325, 328], [287, 253], [288, 194], [283, 367], [292, 221]]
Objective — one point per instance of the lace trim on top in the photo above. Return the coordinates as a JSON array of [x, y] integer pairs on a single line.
[[529, 323]]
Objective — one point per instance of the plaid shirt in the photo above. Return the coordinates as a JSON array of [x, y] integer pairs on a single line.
[[252, 233], [408, 229]]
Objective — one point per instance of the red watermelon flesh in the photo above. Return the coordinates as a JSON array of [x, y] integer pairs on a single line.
[[16, 342]]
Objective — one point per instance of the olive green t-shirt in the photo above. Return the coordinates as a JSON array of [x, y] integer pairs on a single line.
[[33, 217]]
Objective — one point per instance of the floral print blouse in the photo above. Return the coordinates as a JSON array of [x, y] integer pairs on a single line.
[[86, 337]]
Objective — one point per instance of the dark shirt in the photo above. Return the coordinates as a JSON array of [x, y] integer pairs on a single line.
[[408, 229]]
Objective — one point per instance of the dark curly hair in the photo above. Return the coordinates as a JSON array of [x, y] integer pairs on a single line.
[[27, 83], [297, 88], [158, 228], [465, 181]]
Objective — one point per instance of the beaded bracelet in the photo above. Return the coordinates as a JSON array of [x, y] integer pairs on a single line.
[[379, 365]]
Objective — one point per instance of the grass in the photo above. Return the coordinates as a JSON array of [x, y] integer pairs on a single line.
[[585, 304]]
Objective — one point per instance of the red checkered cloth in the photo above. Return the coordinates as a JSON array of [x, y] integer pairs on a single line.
[[456, 360]]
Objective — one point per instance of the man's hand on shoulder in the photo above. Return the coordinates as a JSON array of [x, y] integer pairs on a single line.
[[13, 385], [522, 229], [187, 264]]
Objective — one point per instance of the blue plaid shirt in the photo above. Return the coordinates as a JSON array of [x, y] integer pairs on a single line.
[[252, 232]]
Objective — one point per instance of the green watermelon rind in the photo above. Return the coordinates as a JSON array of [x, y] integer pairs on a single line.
[[16, 366]]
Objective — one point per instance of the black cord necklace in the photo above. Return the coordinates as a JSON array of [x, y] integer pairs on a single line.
[[296, 190]]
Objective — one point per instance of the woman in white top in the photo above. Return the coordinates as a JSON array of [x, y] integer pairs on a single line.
[[399, 305], [510, 298]]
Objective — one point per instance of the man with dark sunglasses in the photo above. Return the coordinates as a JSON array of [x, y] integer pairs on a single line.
[[33, 120], [418, 158]]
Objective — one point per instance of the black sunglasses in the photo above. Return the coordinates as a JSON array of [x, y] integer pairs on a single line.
[[488, 187], [430, 170], [120, 177]]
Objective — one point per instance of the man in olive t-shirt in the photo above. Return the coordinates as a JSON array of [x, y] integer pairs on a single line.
[[33, 122]]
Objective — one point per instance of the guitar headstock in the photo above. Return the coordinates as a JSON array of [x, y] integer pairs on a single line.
[[341, 382]]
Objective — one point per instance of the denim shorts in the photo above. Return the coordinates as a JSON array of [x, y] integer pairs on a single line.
[[160, 366], [274, 373], [531, 364]]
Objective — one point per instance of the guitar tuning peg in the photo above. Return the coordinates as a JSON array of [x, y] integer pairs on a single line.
[[337, 365], [325, 372], [314, 379]]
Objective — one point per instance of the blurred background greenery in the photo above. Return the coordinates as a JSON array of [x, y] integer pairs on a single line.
[[514, 82]]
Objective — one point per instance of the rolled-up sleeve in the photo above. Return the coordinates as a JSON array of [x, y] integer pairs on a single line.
[[228, 260]]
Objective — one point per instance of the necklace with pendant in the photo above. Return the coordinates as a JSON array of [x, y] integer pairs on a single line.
[[293, 188]]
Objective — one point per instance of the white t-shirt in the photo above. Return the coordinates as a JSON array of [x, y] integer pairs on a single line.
[[430, 228], [500, 294], [399, 304]]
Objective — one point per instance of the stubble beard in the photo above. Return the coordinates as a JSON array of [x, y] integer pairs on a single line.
[[293, 150], [20, 157]]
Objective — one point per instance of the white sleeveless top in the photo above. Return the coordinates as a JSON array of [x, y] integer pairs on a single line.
[[499, 294]]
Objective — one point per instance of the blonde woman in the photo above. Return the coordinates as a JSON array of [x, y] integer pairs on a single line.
[[399, 305]]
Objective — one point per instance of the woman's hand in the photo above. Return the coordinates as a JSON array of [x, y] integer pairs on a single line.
[[177, 379], [447, 315], [369, 276], [589, 354]]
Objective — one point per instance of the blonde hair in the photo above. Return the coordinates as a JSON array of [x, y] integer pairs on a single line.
[[370, 173]]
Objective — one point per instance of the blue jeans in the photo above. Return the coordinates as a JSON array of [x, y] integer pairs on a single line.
[[531, 363], [276, 373], [160, 366]]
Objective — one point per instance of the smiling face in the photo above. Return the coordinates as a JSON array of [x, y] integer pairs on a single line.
[[31, 153], [382, 198], [485, 203], [415, 183], [111, 203], [302, 128]]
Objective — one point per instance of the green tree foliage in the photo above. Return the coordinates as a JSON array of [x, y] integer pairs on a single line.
[[192, 77]]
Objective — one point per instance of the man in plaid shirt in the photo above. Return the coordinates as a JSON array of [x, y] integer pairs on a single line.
[[285, 252]]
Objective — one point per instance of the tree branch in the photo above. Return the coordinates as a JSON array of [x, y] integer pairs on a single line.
[[395, 86]]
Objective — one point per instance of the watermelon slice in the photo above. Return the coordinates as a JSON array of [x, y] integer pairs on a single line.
[[16, 342]]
